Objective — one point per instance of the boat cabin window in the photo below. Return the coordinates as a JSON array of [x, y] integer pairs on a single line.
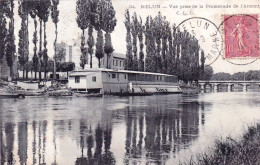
[[113, 75], [94, 78], [132, 77], [77, 79], [151, 78]]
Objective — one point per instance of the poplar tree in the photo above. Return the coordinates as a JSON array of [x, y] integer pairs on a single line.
[[83, 22], [91, 43], [141, 44], [99, 46], [173, 48], [10, 51], [134, 31], [150, 60], [158, 34], [129, 57], [55, 20], [109, 20], [40, 14], [178, 48], [35, 60], [165, 51], [98, 23], [3, 29], [23, 44], [46, 4], [171, 52]]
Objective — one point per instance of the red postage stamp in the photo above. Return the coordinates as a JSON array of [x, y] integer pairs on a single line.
[[241, 36]]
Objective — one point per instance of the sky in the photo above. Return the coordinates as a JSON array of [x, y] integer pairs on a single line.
[[176, 11]]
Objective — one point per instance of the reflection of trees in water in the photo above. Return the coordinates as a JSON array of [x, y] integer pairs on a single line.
[[9, 131], [95, 140], [22, 141], [166, 131], [128, 133], [34, 142], [202, 113], [190, 122], [44, 129], [55, 147], [39, 140], [2, 155]]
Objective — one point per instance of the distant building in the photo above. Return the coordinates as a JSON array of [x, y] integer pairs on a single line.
[[73, 54], [116, 61], [67, 51]]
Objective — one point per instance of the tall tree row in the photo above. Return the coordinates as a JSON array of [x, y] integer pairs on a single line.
[[39, 10], [168, 49], [98, 15]]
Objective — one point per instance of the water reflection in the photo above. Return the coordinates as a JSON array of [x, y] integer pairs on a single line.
[[22, 141], [9, 132], [134, 130], [166, 131], [99, 136]]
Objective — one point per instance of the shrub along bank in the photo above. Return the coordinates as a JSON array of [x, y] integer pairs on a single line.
[[233, 152]]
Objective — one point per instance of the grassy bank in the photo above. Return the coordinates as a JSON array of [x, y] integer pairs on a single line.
[[245, 151]]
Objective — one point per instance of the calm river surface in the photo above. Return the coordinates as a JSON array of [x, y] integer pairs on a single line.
[[162, 129]]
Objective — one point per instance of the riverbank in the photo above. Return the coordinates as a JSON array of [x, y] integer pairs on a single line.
[[230, 151]]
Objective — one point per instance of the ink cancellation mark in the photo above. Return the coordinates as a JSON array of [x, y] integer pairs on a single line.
[[207, 34], [241, 38]]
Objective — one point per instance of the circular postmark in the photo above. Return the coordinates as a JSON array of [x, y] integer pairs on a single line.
[[208, 36], [240, 38]]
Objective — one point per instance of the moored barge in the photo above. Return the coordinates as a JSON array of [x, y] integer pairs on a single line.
[[122, 82]]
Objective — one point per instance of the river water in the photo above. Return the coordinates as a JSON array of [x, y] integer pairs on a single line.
[[160, 129]]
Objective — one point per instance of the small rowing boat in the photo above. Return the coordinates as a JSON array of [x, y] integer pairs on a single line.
[[11, 95]]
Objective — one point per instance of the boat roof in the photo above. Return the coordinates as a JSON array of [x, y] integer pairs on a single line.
[[80, 73], [119, 55], [90, 71]]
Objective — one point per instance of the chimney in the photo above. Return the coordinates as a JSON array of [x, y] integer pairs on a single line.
[[70, 53]]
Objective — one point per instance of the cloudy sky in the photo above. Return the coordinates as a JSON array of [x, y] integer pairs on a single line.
[[184, 9]]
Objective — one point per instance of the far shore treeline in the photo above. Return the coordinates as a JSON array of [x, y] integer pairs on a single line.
[[152, 45], [252, 75]]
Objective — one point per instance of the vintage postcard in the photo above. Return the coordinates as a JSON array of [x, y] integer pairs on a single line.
[[142, 82]]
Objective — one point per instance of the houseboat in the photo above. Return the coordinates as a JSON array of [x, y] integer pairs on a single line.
[[122, 82]]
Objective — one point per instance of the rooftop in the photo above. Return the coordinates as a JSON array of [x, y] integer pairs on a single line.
[[119, 55], [88, 71]]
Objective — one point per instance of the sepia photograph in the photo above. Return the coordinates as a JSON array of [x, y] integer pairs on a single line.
[[129, 82]]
